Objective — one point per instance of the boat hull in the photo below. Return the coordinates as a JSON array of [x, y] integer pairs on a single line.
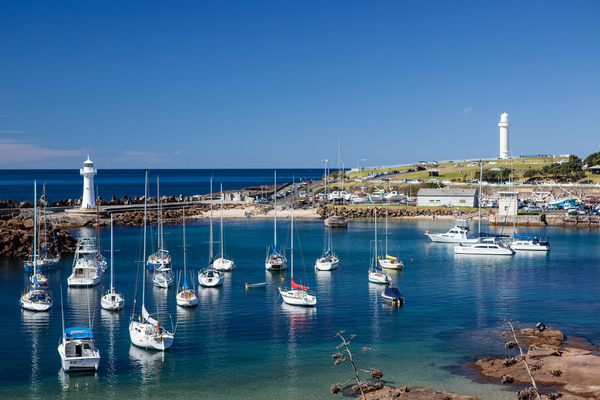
[[443, 238], [327, 264], [36, 306], [187, 298], [83, 282], [483, 252], [147, 336], [380, 278], [45, 265], [112, 302], [71, 364], [529, 246], [223, 264], [298, 297], [211, 278], [391, 264]]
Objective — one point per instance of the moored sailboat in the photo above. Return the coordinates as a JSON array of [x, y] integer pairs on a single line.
[[147, 332], [297, 295], [112, 300], [389, 262], [376, 274], [275, 261], [46, 258], [186, 297], [210, 277], [222, 263]]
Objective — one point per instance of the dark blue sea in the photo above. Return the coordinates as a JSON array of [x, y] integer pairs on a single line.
[[62, 184], [246, 344]]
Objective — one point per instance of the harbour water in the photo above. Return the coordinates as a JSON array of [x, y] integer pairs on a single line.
[[65, 184], [242, 343]]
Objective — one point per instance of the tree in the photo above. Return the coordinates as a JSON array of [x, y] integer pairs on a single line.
[[593, 159], [346, 355]]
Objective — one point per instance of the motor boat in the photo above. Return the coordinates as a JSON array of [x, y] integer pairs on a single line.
[[458, 234], [529, 243], [394, 196], [77, 350], [392, 295], [336, 221], [359, 197], [485, 246]]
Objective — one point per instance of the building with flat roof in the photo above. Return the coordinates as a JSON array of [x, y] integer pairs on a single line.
[[447, 197]]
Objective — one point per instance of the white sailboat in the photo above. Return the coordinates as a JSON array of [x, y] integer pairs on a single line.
[[389, 262], [275, 261], [38, 297], [77, 349], [376, 274], [297, 295], [44, 259], [112, 300], [222, 263], [329, 260], [161, 260], [210, 277], [186, 297], [147, 332]]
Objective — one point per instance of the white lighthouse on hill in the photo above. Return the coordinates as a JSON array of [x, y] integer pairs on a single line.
[[504, 125], [88, 171]]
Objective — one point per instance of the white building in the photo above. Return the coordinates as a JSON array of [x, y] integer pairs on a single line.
[[88, 171], [508, 203], [447, 197], [504, 124]]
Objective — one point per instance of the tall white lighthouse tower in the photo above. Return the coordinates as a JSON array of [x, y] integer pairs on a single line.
[[88, 171], [504, 125]]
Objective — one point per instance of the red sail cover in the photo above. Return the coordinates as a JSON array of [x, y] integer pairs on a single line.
[[295, 286]]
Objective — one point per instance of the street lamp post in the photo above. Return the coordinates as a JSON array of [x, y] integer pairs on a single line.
[[358, 167]]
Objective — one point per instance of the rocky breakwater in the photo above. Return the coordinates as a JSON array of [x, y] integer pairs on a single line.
[[552, 360], [169, 217], [393, 212], [16, 238]]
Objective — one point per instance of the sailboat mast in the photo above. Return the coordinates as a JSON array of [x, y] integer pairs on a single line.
[[144, 256], [45, 226], [221, 238], [184, 253], [210, 252], [112, 257], [386, 231], [480, 178], [292, 240], [97, 223], [375, 236], [159, 214], [34, 261], [275, 218]]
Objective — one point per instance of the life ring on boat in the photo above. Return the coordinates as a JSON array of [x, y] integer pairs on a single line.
[[540, 326]]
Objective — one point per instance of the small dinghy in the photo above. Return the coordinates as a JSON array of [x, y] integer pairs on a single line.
[[255, 285], [392, 295]]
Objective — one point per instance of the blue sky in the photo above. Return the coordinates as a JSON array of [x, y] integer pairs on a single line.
[[272, 84]]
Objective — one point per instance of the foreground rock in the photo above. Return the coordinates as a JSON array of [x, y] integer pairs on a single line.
[[16, 237], [415, 394], [576, 371]]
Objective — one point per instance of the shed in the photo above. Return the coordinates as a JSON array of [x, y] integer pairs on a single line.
[[433, 172], [447, 197], [595, 169]]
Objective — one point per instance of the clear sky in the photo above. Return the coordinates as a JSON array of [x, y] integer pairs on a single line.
[[272, 84]]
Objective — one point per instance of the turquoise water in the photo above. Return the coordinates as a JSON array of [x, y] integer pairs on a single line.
[[245, 343]]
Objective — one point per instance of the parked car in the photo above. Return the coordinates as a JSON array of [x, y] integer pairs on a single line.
[[458, 165], [262, 200], [473, 164], [447, 182], [532, 208], [419, 168], [410, 170], [493, 163]]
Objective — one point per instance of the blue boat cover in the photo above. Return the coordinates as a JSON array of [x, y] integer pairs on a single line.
[[393, 292], [523, 237], [78, 332], [491, 235]]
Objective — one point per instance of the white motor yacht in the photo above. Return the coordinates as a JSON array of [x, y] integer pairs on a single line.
[[394, 196], [359, 198], [77, 350], [529, 243], [458, 234], [485, 246], [86, 272]]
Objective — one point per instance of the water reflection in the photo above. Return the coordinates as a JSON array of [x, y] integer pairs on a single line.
[[148, 365], [35, 325], [79, 383]]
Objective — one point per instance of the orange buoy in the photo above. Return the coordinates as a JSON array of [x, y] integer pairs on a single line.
[[411, 260], [427, 232]]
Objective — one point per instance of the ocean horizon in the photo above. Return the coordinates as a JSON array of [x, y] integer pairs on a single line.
[[62, 184]]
